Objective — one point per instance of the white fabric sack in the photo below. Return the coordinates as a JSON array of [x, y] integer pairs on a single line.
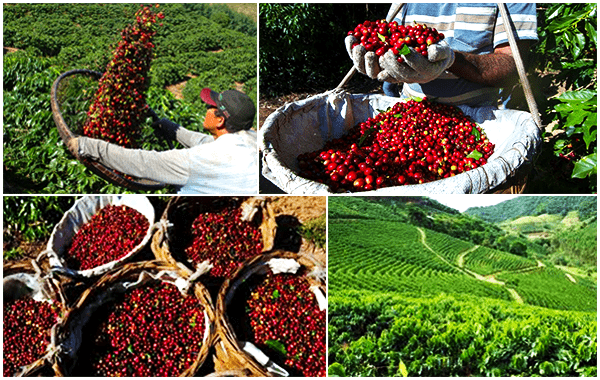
[[305, 126], [81, 213]]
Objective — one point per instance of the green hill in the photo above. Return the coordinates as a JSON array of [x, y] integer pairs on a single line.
[[407, 300]]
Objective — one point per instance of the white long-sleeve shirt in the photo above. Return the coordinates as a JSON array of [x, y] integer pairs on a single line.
[[226, 165]]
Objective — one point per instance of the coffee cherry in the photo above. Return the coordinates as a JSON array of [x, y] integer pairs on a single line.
[[411, 143], [110, 235], [152, 330], [225, 240], [26, 332], [120, 103], [282, 308]]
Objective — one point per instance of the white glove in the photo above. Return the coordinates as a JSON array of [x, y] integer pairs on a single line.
[[366, 62], [416, 68]]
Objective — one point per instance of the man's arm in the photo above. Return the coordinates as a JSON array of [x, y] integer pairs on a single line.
[[497, 69]]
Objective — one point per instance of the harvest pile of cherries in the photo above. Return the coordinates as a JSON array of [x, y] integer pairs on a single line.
[[152, 331], [380, 36], [411, 143], [284, 315], [120, 102], [26, 332], [224, 239], [110, 235]]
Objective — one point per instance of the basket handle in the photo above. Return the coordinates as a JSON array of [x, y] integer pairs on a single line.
[[520, 66], [395, 9]]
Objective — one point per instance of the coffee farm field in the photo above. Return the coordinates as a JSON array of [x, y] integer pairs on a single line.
[[409, 301], [197, 46]]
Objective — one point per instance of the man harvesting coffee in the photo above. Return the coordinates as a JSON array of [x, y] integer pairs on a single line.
[[222, 162], [466, 67]]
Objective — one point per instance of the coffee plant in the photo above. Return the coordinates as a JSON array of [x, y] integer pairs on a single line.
[[120, 103], [152, 330], [110, 234], [26, 332], [223, 239], [411, 143], [285, 317], [44, 40]]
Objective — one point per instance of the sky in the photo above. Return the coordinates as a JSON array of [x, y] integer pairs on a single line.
[[461, 202]]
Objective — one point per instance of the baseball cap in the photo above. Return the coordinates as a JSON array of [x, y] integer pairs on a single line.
[[237, 107]]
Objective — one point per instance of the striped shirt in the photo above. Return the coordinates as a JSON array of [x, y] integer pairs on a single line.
[[475, 28]]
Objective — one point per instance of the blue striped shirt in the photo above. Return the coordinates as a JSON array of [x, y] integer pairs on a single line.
[[475, 28]]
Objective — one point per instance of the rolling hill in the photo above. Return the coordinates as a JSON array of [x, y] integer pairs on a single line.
[[407, 300]]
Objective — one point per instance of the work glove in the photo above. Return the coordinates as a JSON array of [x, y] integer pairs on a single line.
[[416, 68], [366, 62], [167, 128]]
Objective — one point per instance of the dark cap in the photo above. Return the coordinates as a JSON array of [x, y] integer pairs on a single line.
[[237, 107]]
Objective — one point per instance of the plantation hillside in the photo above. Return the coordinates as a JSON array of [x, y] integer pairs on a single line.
[[532, 206], [198, 45], [406, 300]]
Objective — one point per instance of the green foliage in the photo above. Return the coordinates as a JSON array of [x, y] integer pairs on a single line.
[[302, 45], [445, 336], [315, 230], [567, 48], [31, 218]]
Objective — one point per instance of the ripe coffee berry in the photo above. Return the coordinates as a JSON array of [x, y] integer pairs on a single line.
[[225, 240], [152, 330], [120, 102], [411, 143], [380, 36], [26, 332], [283, 312], [109, 235]]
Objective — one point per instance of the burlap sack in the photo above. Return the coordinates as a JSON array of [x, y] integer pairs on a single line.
[[81, 213], [174, 232], [121, 280], [232, 353], [25, 279]]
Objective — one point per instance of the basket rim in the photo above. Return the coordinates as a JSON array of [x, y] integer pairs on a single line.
[[97, 168]]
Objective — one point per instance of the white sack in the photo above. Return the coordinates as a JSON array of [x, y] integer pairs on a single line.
[[305, 126]]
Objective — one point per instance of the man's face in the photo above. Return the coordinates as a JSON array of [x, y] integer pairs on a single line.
[[212, 122]]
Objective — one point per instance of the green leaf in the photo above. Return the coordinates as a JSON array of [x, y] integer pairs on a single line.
[[336, 370], [277, 346], [475, 132], [130, 349], [381, 37], [276, 294], [402, 369], [475, 155], [576, 96], [585, 167], [404, 50]]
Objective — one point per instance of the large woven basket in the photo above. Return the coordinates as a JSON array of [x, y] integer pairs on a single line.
[[68, 132], [101, 293], [174, 233], [16, 275], [228, 350]]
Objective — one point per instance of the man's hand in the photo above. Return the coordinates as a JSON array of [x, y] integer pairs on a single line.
[[416, 68], [73, 146], [167, 128], [366, 62]]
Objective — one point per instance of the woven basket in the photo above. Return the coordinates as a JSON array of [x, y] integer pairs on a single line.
[[102, 292], [174, 233], [228, 351], [69, 132], [82, 212], [50, 289]]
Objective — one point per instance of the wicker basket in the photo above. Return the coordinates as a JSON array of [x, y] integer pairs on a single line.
[[135, 274], [69, 132], [17, 276], [174, 233], [228, 349]]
